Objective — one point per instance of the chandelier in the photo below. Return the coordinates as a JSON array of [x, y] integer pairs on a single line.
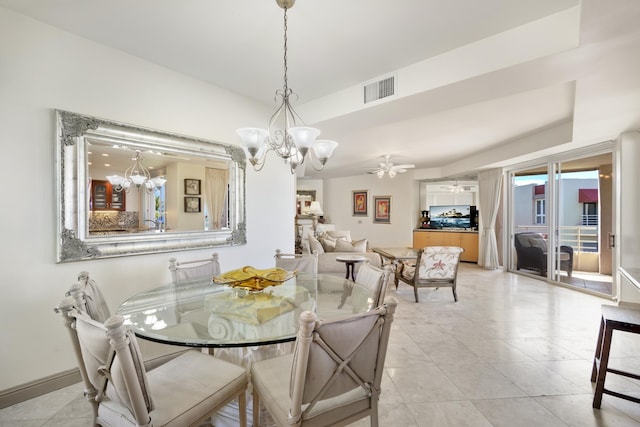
[[136, 176], [284, 136]]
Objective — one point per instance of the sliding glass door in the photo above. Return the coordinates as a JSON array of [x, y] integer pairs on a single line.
[[529, 220], [565, 222]]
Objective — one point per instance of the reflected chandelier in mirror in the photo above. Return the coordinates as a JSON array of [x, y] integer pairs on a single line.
[[97, 219]]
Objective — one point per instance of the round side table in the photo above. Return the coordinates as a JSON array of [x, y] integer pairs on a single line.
[[350, 261]]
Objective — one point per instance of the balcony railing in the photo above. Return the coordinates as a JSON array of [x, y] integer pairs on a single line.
[[589, 219], [581, 238]]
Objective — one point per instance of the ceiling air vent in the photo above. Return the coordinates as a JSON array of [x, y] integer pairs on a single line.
[[380, 89]]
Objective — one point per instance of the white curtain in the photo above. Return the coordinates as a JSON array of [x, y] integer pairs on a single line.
[[216, 183], [490, 185]]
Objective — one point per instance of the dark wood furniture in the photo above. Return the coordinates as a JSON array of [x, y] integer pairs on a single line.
[[105, 198], [613, 319], [350, 261]]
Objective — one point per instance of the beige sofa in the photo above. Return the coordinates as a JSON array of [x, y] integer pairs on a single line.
[[334, 243]]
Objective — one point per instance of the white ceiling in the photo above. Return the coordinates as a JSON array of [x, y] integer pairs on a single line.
[[335, 46]]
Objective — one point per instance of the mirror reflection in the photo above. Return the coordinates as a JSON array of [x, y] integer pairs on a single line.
[[136, 191], [126, 190]]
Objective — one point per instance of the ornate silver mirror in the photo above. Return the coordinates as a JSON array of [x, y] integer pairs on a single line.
[[126, 190]]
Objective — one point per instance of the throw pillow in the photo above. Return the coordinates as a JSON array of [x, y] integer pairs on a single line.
[[315, 245], [345, 246], [339, 234], [328, 244]]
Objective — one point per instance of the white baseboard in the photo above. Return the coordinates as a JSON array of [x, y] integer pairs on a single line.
[[60, 380]]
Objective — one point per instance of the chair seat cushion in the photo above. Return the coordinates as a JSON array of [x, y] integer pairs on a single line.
[[184, 390], [266, 375]]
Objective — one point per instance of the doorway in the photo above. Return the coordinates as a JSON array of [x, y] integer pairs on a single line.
[[566, 206]]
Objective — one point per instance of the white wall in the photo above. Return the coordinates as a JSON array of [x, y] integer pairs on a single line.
[[403, 190], [629, 232], [41, 69]]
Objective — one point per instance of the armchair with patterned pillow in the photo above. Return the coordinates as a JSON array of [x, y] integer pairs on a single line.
[[435, 267], [335, 243]]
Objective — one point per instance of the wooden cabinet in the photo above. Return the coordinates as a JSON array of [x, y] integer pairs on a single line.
[[105, 198], [467, 240]]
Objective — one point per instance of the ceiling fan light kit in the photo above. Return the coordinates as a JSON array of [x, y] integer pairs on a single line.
[[389, 168], [457, 188]]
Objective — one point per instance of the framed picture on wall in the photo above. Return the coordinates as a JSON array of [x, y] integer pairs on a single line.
[[360, 198], [382, 206], [192, 204], [192, 186]]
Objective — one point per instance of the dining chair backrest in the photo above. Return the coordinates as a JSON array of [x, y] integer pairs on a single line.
[[307, 263], [110, 362], [182, 271], [340, 360], [88, 297], [187, 390], [439, 262], [374, 281]]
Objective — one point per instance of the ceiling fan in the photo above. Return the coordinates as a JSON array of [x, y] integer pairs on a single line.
[[456, 188], [389, 168]]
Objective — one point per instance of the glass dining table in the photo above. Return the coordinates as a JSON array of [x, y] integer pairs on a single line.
[[202, 313], [237, 325]]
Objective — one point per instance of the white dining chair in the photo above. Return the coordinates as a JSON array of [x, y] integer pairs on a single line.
[[89, 298], [307, 263], [182, 271], [334, 375], [373, 279], [186, 391]]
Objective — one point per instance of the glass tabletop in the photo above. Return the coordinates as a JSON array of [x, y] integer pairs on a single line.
[[397, 253], [205, 314]]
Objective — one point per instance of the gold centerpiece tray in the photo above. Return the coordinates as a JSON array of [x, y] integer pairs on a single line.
[[254, 279]]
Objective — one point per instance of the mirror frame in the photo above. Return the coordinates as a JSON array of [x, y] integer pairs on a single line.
[[73, 240]]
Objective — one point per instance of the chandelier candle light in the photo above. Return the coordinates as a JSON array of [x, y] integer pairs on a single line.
[[284, 137], [136, 175]]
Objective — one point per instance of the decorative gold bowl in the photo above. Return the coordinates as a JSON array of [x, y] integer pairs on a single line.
[[253, 279]]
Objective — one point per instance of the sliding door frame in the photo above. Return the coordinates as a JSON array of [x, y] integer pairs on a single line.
[[551, 163]]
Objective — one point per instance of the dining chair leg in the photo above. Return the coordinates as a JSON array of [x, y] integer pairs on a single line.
[[602, 369], [596, 358], [242, 408], [256, 410]]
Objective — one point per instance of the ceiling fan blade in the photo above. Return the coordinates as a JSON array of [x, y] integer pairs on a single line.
[[407, 166]]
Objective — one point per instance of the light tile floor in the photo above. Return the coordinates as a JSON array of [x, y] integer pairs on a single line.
[[514, 351]]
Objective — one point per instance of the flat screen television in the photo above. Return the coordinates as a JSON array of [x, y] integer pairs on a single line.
[[452, 216]]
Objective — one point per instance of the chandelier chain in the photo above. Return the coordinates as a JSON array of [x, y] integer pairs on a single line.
[[286, 83]]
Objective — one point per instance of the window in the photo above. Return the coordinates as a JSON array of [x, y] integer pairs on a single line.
[[590, 213], [539, 217]]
